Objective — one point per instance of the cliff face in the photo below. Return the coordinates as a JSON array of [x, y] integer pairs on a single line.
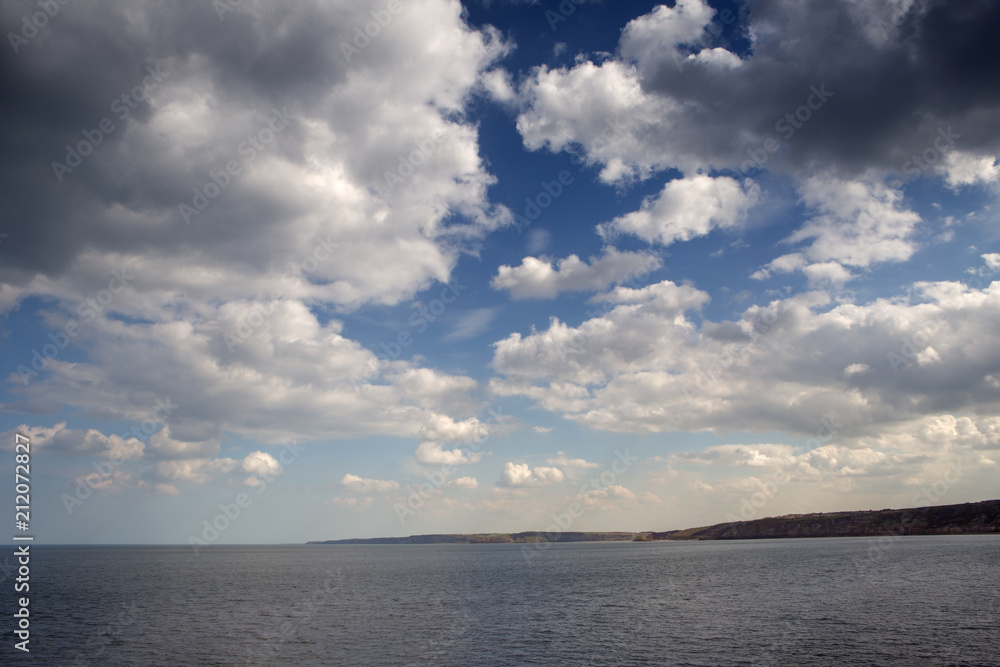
[[982, 517], [530, 536]]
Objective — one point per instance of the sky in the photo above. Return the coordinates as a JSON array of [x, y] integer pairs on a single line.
[[283, 271]]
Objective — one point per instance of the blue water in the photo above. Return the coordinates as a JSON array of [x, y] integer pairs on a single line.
[[849, 601]]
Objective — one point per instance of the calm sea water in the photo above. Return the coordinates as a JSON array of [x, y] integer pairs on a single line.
[[850, 601]]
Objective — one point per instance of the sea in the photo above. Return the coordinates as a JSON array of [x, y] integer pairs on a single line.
[[835, 601]]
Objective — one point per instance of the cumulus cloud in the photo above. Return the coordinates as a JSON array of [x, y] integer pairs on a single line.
[[916, 462], [116, 481], [607, 498], [606, 127], [161, 446], [571, 358], [573, 467], [358, 162], [855, 369], [686, 208], [497, 83], [464, 483], [443, 428], [291, 377], [259, 464], [855, 223], [326, 159], [645, 367], [962, 168], [368, 485], [545, 278], [80, 442], [851, 223], [432, 453], [673, 96], [522, 475], [198, 471], [740, 455]]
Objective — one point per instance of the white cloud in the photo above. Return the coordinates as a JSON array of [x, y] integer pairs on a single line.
[[368, 485], [80, 441], [619, 491], [962, 168], [198, 471], [629, 130], [573, 467], [443, 428], [464, 483], [648, 38], [310, 222], [291, 378], [472, 323], [116, 481], [740, 455], [687, 208], [161, 446], [572, 358], [431, 453], [498, 84], [857, 369], [664, 296], [784, 264], [521, 474], [645, 367], [260, 464], [822, 273], [922, 461], [607, 498], [856, 223], [853, 223], [541, 277], [615, 111]]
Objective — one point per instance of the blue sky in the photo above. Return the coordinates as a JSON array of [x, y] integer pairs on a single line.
[[496, 266]]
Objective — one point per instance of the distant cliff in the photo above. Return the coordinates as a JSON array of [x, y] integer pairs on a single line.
[[489, 538], [982, 517]]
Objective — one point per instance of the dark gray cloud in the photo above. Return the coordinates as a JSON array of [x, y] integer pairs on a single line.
[[75, 71], [896, 74], [893, 80]]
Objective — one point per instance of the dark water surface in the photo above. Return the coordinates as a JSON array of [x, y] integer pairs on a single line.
[[843, 601]]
